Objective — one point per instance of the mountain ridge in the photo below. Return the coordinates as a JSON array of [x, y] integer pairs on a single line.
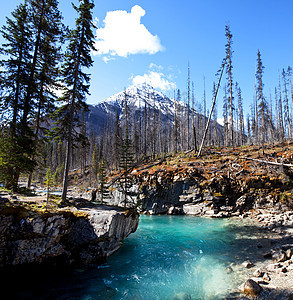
[[139, 97]]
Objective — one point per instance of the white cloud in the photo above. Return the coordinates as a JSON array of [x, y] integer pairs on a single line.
[[123, 34], [156, 80], [155, 66]]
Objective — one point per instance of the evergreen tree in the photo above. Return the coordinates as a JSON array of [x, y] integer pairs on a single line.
[[126, 165], [15, 148], [47, 23], [103, 189], [229, 67], [188, 105], [16, 62], [77, 56], [240, 114], [262, 105], [32, 55], [49, 183], [48, 31]]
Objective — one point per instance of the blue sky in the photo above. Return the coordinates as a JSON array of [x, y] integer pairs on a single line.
[[154, 40]]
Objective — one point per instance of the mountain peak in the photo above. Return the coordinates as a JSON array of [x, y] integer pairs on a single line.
[[139, 88]]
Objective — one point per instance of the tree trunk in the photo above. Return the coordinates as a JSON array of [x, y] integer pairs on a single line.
[[211, 112]]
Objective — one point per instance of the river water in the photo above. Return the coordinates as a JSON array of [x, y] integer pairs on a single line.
[[168, 257]]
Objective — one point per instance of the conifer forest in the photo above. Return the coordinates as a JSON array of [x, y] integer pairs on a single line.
[[45, 121]]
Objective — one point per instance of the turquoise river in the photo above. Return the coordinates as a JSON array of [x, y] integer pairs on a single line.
[[168, 257]]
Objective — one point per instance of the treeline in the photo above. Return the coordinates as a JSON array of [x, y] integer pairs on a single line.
[[270, 116], [155, 128], [41, 57]]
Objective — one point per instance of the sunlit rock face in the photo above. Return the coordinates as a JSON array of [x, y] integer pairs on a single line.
[[82, 238]]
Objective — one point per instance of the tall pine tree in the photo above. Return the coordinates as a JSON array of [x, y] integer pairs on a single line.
[[50, 31], [15, 150], [262, 105], [229, 53], [77, 56]]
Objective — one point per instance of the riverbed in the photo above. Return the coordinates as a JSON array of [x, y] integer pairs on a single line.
[[168, 257]]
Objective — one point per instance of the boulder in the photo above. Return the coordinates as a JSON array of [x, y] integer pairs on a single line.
[[266, 277], [247, 264], [279, 256], [250, 288], [192, 209], [258, 273], [273, 267], [289, 253], [175, 211]]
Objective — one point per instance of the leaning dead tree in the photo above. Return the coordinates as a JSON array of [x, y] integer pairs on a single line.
[[267, 162], [211, 111]]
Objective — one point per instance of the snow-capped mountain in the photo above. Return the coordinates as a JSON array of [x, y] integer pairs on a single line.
[[141, 94], [142, 100], [139, 97]]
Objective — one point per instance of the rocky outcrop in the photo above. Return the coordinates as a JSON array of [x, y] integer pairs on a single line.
[[69, 237], [187, 191]]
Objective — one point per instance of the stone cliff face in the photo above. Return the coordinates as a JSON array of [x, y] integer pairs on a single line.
[[81, 238], [190, 192]]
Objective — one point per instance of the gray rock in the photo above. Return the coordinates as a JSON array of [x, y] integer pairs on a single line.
[[266, 277], [247, 264], [192, 209], [258, 273], [273, 267], [268, 255], [289, 253], [175, 211], [250, 288], [279, 256], [87, 237], [241, 203]]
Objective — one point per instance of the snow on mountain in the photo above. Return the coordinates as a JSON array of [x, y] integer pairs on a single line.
[[139, 97]]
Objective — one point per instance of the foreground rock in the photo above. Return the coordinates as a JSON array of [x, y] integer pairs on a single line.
[[78, 237], [250, 288]]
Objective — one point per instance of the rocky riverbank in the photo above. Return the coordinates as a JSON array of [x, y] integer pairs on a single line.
[[68, 235], [222, 183], [247, 183], [266, 269]]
